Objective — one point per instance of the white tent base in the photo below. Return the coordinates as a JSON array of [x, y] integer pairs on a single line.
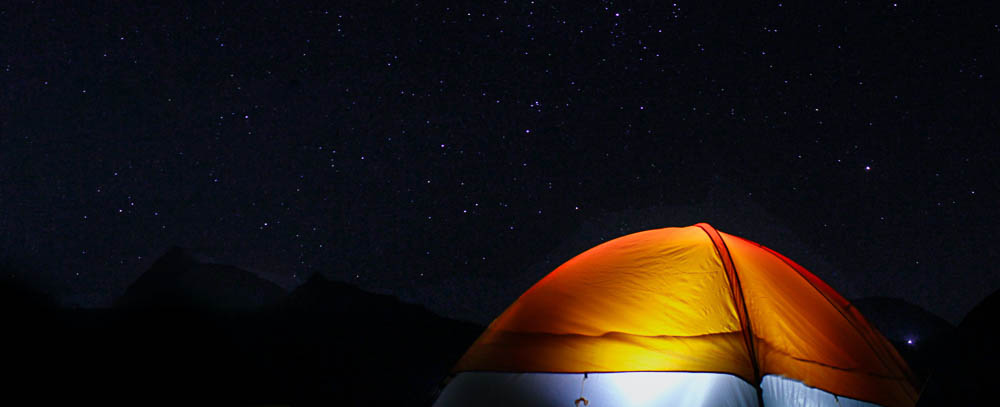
[[782, 391], [629, 389]]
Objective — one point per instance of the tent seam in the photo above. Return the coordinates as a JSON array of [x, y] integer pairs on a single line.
[[737, 291], [840, 311]]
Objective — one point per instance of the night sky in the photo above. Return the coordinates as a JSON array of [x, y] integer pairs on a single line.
[[451, 153]]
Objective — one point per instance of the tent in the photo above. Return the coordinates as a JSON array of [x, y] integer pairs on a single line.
[[680, 316]]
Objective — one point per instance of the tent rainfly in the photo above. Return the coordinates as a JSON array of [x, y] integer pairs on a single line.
[[685, 317]]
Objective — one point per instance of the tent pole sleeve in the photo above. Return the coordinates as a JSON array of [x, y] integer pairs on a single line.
[[741, 306]]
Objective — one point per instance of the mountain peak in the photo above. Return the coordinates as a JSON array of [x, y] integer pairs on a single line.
[[181, 279]]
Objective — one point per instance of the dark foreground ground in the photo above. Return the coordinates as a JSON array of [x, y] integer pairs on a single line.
[[374, 351]]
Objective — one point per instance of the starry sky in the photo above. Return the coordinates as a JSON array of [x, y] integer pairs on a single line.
[[440, 151]]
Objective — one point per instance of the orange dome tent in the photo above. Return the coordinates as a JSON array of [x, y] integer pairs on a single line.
[[683, 316]]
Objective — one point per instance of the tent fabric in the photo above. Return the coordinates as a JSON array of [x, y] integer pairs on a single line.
[[636, 389], [781, 392], [693, 299], [498, 389]]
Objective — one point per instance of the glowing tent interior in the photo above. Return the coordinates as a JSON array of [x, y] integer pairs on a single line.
[[684, 316]]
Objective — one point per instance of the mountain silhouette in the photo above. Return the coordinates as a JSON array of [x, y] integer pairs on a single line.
[[319, 294], [192, 331], [356, 342], [917, 334], [179, 279], [901, 321], [966, 370], [18, 297]]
